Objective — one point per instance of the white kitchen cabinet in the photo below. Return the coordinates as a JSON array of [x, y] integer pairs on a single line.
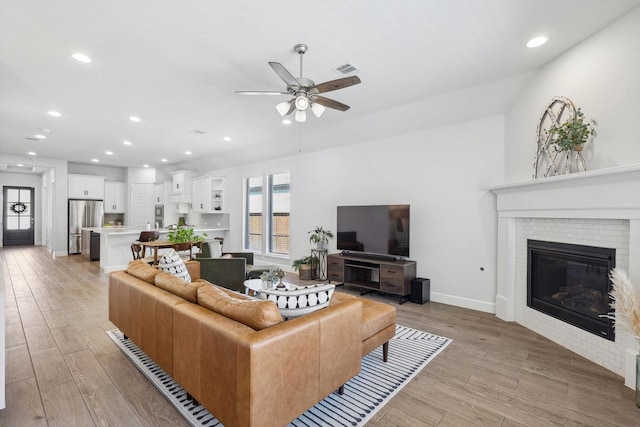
[[158, 193], [114, 197], [85, 187], [208, 194], [181, 186]]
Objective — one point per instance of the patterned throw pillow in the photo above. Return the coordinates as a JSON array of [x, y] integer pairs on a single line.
[[172, 263], [300, 300]]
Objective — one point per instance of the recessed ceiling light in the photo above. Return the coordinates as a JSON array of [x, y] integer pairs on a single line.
[[188, 153], [164, 160], [134, 119], [40, 136], [226, 138], [54, 113], [109, 153], [95, 160], [81, 57], [286, 121], [20, 164], [537, 41], [32, 153], [145, 166], [126, 142]]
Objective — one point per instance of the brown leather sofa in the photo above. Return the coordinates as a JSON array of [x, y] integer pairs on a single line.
[[263, 375]]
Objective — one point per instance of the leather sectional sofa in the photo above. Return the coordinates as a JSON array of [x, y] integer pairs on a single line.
[[235, 354]]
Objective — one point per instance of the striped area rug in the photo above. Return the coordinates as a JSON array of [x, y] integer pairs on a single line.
[[409, 351]]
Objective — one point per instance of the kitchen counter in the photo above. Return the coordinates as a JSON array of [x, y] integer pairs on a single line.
[[115, 243]]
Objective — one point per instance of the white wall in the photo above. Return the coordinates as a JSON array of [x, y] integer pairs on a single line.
[[600, 75], [442, 173]]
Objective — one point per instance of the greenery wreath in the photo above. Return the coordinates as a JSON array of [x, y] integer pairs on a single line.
[[18, 208]]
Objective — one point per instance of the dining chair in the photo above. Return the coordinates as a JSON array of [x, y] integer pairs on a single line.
[[149, 236], [221, 240], [136, 251], [183, 247]]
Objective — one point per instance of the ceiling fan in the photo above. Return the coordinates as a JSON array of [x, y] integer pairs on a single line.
[[305, 92]]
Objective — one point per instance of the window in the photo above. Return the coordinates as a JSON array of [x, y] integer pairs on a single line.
[[267, 209], [253, 216], [279, 208]]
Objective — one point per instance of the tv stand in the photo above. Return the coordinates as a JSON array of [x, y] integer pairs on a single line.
[[370, 256], [371, 272]]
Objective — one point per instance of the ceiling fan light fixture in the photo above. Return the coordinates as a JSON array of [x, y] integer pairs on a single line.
[[302, 103], [317, 109], [283, 108], [301, 116]]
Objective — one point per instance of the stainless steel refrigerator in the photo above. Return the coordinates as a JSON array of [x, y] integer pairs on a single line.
[[83, 214]]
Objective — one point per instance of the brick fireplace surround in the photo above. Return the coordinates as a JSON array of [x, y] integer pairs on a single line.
[[595, 208]]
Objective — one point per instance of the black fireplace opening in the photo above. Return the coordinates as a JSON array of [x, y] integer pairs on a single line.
[[571, 283]]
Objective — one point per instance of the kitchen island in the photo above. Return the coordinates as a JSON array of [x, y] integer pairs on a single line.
[[115, 243]]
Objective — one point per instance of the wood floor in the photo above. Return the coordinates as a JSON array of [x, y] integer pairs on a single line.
[[63, 370]]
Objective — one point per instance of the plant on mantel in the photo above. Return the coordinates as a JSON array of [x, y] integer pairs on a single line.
[[573, 133]]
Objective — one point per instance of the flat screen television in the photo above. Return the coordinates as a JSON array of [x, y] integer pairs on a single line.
[[379, 229]]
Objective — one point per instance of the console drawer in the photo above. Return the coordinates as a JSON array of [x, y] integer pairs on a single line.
[[335, 269], [392, 279]]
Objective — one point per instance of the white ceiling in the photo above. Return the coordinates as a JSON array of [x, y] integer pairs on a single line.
[[176, 64]]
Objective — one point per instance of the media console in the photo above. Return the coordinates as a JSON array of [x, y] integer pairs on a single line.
[[389, 275]]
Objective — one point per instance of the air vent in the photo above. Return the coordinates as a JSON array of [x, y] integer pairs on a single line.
[[346, 69], [11, 168], [198, 132], [30, 138]]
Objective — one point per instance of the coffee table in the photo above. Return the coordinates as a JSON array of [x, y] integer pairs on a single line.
[[255, 285]]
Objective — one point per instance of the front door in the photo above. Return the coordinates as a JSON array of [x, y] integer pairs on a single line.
[[17, 216]]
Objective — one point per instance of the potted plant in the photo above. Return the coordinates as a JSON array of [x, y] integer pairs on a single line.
[[184, 235], [574, 132], [320, 236], [304, 266]]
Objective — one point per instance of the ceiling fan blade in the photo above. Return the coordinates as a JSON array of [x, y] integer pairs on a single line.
[[335, 84], [330, 103], [284, 74], [261, 92]]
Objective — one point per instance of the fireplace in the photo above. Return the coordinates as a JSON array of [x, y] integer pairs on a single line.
[[571, 283]]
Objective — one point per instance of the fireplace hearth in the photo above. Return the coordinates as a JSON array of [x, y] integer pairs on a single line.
[[571, 283]]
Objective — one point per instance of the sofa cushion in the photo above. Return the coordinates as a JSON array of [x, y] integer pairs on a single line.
[[300, 300], [179, 287], [142, 271], [254, 313], [173, 263]]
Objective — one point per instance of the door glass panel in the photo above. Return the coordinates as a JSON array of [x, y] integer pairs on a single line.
[[18, 209]]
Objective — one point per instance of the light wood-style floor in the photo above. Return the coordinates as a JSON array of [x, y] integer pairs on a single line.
[[63, 370]]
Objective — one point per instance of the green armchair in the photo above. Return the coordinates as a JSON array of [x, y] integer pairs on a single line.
[[229, 270]]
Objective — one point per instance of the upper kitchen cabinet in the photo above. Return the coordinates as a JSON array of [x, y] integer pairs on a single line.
[[158, 193], [181, 189], [86, 187], [208, 194], [114, 197]]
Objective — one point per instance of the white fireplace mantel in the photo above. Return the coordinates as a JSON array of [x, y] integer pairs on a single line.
[[612, 193]]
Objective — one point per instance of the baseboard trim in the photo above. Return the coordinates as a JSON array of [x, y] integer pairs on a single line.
[[487, 307]]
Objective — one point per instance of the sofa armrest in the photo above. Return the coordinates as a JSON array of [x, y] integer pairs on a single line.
[[226, 272], [246, 255]]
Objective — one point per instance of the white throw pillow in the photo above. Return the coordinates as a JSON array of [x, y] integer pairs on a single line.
[[172, 263], [301, 300]]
